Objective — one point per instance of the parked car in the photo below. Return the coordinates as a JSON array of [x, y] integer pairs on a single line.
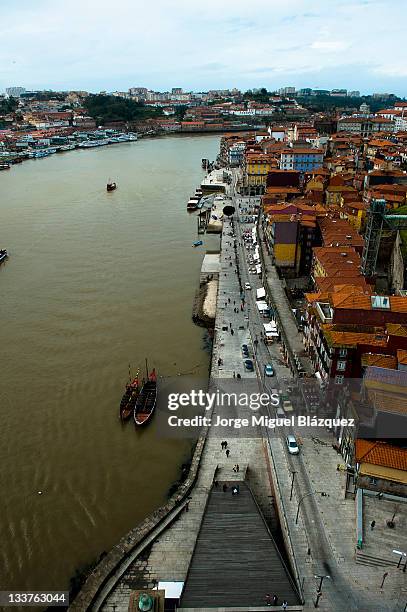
[[292, 445], [287, 406], [247, 286], [245, 350], [268, 369], [249, 365], [280, 412]]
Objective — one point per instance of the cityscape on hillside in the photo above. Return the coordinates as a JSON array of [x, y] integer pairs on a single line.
[[203, 281]]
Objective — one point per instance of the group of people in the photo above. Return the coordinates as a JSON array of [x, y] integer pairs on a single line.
[[273, 601]]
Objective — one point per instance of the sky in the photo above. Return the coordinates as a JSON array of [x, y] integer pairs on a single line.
[[198, 45]]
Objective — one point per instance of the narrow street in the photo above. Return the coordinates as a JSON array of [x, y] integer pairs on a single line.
[[321, 560]]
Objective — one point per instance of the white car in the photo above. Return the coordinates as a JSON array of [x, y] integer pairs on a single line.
[[247, 286], [292, 445]]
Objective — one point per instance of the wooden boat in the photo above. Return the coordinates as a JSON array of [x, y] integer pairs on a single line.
[[146, 400], [129, 398], [3, 255], [111, 186], [197, 243]]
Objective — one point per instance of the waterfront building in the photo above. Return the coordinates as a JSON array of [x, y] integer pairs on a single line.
[[256, 167], [291, 233], [302, 159]]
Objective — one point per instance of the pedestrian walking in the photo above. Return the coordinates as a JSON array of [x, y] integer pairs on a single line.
[[237, 467], [226, 444], [227, 452], [372, 525], [275, 600], [232, 332], [225, 488], [284, 604], [234, 374]]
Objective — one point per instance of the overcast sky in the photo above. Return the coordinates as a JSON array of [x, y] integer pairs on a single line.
[[202, 44]]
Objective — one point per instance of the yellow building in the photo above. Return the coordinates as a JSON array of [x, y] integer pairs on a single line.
[[255, 171], [354, 212]]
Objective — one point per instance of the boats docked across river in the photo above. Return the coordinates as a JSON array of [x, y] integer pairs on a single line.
[[111, 186], [146, 400]]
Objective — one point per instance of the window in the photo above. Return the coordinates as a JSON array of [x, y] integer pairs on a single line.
[[343, 352], [341, 366], [339, 379]]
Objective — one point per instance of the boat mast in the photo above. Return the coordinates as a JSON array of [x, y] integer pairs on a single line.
[[146, 369], [129, 374]]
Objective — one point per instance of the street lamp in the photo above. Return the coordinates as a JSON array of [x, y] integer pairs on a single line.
[[402, 554], [293, 473], [319, 591], [308, 495]]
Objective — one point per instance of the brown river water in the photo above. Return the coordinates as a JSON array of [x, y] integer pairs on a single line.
[[94, 281]]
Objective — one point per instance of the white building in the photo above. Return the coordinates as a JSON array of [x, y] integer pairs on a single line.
[[15, 92]]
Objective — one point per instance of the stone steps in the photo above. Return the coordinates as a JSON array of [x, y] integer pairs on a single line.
[[366, 559]]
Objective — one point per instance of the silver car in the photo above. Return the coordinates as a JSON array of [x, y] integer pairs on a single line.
[[292, 445]]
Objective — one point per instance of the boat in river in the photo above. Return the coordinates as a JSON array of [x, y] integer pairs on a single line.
[[146, 400], [193, 203], [3, 255], [129, 398], [197, 243], [111, 186]]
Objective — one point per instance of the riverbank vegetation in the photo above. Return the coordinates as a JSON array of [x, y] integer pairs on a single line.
[[103, 107]]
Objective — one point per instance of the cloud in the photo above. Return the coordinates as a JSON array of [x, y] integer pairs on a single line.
[[216, 43], [329, 45]]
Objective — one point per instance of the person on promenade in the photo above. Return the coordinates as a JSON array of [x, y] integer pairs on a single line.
[[237, 467], [284, 604], [227, 452], [225, 488], [275, 600]]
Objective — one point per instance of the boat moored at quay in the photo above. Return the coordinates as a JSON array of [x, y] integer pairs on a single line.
[[129, 398], [146, 400]]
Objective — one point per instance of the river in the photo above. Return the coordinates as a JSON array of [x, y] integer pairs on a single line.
[[94, 281]]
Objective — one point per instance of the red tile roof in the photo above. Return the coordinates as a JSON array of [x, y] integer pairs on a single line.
[[381, 453]]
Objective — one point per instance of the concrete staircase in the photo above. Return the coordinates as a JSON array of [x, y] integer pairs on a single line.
[[236, 562], [366, 559]]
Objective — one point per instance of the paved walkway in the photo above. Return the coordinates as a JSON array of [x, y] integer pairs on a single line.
[[169, 556]]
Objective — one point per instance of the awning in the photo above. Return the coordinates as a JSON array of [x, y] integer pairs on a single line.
[[262, 306], [270, 327], [172, 589]]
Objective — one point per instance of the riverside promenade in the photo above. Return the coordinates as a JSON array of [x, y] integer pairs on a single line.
[[319, 532], [164, 549]]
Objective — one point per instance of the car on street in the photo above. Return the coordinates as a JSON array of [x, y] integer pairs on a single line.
[[292, 445], [287, 406], [268, 369], [247, 286], [249, 365]]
